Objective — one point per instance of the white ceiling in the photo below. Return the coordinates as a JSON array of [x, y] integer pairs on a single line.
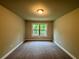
[[54, 8]]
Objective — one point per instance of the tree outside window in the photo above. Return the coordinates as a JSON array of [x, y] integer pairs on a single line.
[[39, 29]]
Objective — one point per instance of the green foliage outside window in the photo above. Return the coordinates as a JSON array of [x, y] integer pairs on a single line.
[[39, 29]]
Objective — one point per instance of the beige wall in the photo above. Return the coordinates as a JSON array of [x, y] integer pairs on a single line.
[[11, 30], [29, 30], [66, 32]]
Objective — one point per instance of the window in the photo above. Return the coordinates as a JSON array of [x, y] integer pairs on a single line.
[[39, 29], [35, 29]]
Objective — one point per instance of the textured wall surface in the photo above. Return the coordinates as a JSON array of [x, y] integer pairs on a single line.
[[11, 30], [66, 32]]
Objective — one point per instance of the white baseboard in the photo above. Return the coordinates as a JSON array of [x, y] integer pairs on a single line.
[[7, 54], [73, 57], [38, 39]]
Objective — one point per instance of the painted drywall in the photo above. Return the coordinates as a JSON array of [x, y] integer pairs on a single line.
[[11, 30], [28, 29], [66, 32]]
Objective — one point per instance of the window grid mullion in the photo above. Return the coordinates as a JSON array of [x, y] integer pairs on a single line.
[[39, 29]]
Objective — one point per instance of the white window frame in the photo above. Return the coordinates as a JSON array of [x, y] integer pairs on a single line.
[[40, 35]]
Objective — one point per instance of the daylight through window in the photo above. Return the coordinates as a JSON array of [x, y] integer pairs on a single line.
[[39, 29]]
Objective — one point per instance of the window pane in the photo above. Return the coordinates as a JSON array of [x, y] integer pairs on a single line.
[[43, 26], [35, 30], [43, 29], [43, 33], [35, 26]]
